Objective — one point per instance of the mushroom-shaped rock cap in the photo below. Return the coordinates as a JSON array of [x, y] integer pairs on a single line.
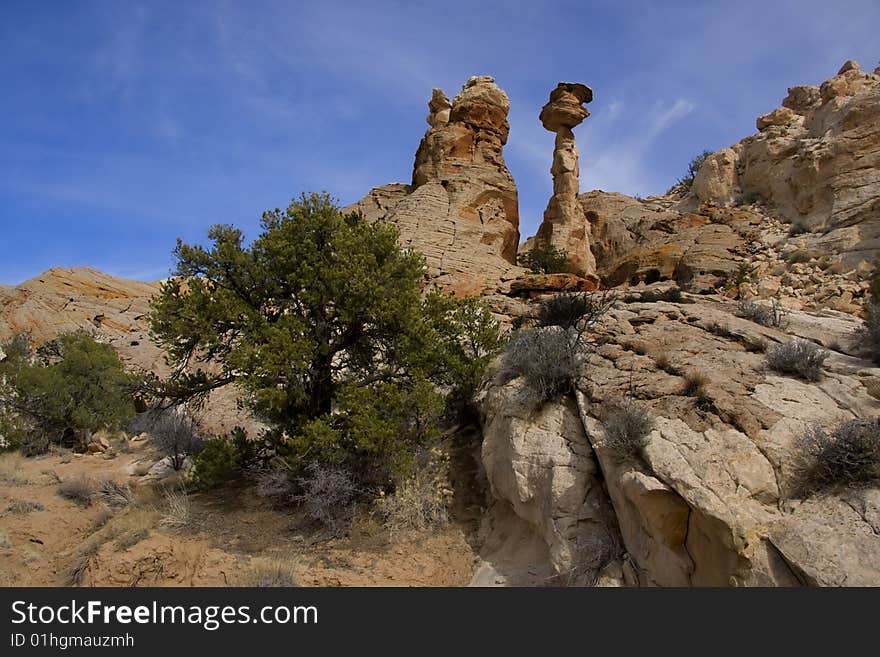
[[565, 108]]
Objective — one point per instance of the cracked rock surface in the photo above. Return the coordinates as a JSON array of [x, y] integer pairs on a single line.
[[708, 501]]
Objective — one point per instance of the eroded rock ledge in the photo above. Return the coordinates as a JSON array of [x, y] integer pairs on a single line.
[[708, 502]]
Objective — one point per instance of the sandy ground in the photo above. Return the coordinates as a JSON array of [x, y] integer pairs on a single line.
[[232, 536]]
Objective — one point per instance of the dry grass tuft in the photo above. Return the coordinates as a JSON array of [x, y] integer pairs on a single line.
[[116, 495], [270, 573], [418, 504], [178, 511], [24, 506], [78, 489], [11, 464]]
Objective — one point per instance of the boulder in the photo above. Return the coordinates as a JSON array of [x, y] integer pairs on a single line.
[[716, 180]]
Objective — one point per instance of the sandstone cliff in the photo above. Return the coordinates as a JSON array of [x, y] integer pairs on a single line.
[[815, 162], [112, 310], [791, 212]]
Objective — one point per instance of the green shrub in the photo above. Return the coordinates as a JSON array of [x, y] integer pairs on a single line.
[[687, 181], [464, 339], [222, 459], [374, 432], [547, 259], [847, 456], [70, 387], [799, 357], [322, 323]]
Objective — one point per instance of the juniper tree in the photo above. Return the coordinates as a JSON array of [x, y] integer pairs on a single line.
[[70, 386], [323, 324]]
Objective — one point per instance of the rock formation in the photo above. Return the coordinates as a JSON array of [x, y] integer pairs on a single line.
[[565, 226], [795, 209], [461, 210], [708, 501], [815, 161]]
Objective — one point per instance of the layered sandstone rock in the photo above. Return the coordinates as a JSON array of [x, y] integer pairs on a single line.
[[565, 226], [815, 162], [645, 241], [708, 501], [792, 212], [64, 300], [461, 210]]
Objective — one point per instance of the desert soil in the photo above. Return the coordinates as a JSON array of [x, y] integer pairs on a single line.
[[49, 540]]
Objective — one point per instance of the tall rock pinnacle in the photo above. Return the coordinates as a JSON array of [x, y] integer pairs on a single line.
[[461, 210], [565, 225]]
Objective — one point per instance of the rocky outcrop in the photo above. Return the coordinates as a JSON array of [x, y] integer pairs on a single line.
[[565, 227], [114, 311], [539, 463], [638, 241], [792, 212], [708, 501], [815, 161], [461, 210], [64, 300]]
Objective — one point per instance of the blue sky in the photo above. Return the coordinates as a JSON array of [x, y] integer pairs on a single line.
[[124, 125]]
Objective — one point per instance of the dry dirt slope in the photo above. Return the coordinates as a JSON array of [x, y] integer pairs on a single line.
[[232, 533]]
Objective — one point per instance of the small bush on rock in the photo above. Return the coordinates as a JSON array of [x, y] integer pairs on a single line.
[[774, 315], [576, 311], [799, 357], [627, 427], [685, 183], [848, 456], [547, 359], [547, 259]]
